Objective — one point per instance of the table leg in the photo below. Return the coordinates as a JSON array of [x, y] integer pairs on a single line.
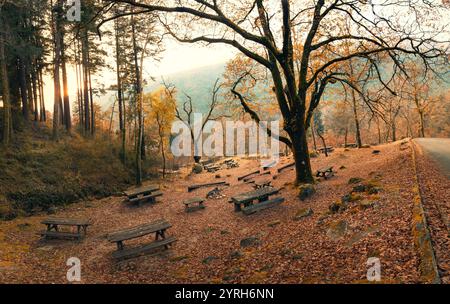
[[120, 245], [237, 207]]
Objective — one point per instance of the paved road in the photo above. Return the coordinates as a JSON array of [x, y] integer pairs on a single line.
[[439, 150]]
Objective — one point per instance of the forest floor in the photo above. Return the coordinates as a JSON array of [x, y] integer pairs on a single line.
[[321, 248]]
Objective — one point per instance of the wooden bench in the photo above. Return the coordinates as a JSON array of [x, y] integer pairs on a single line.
[[327, 149], [290, 165], [248, 175], [53, 228], [194, 204], [146, 194], [197, 186], [150, 198], [325, 172], [159, 227], [264, 205], [247, 199]]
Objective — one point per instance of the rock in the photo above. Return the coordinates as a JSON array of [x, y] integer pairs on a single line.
[[197, 169], [354, 180], [313, 154], [218, 176], [7, 212], [364, 204], [297, 256], [349, 198], [375, 190], [337, 207], [376, 152], [179, 258], [366, 146], [209, 259], [51, 210], [360, 188], [305, 191], [337, 229], [305, 212], [342, 167], [250, 241], [274, 223], [236, 255]]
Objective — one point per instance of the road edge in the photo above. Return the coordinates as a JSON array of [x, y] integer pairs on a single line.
[[422, 240]]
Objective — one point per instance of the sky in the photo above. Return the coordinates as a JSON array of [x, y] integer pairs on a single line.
[[177, 57]]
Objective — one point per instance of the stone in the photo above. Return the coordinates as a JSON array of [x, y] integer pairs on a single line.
[[250, 241], [218, 176], [305, 191], [302, 213], [342, 167], [209, 259], [354, 180], [349, 198], [337, 207], [274, 223], [313, 154], [360, 188], [366, 146], [337, 230], [51, 210], [376, 152], [236, 254], [197, 169], [365, 204]]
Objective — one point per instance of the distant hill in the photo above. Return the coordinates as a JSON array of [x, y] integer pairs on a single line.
[[197, 83]]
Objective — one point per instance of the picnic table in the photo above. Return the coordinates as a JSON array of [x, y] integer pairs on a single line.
[[143, 194], [261, 195], [158, 227], [262, 184], [325, 172], [327, 149], [53, 228], [193, 204]]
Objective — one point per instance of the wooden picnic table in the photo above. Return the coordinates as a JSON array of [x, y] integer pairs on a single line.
[[194, 201], [158, 227], [247, 198], [325, 172], [262, 184], [146, 190], [53, 228]]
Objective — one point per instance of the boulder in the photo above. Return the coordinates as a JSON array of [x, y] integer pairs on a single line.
[[349, 198], [250, 241], [197, 169], [305, 191], [337, 230], [365, 204], [354, 180], [337, 207], [304, 212]]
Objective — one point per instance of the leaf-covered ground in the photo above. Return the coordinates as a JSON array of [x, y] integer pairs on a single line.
[[321, 248]]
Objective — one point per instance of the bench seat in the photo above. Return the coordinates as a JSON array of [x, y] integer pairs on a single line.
[[142, 250], [61, 235], [263, 205], [146, 198]]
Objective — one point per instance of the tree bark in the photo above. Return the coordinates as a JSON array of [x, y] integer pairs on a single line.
[[7, 119], [67, 115]]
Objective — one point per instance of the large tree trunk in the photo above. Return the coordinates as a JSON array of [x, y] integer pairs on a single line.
[[35, 92], [301, 156], [421, 123], [84, 51], [23, 88], [7, 120], [67, 115], [356, 118], [56, 66]]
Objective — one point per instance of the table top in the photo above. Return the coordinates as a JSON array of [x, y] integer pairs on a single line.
[[66, 222], [141, 190], [139, 231], [252, 195]]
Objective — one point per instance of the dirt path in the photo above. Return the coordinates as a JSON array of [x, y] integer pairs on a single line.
[[323, 247]]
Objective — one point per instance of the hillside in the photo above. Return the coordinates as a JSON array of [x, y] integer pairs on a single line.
[[38, 174]]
